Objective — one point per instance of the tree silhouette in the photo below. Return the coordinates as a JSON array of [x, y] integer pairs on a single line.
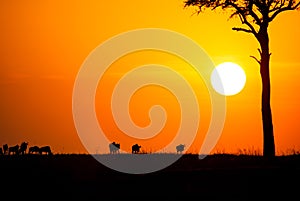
[[255, 16]]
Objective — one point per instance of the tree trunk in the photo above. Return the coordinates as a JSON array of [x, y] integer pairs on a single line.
[[268, 136]]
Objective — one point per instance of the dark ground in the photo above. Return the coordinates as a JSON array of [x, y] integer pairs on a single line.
[[216, 177]]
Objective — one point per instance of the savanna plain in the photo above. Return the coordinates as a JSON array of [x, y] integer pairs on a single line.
[[216, 177]]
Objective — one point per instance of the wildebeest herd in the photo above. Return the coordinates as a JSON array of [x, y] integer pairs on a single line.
[[135, 149], [22, 149], [114, 148], [17, 149]]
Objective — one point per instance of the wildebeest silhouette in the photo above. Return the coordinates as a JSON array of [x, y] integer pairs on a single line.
[[34, 149], [5, 149], [14, 150], [180, 148], [23, 148], [114, 147], [135, 148], [45, 149]]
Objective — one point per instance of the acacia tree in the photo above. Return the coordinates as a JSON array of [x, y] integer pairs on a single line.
[[255, 17]]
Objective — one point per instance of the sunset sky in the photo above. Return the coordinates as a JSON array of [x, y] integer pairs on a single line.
[[44, 44]]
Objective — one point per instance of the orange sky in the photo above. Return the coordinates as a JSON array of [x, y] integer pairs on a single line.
[[43, 45]]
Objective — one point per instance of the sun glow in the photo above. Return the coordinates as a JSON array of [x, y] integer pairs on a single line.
[[228, 78]]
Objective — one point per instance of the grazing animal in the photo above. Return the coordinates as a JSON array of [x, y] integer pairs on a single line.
[[45, 149], [180, 148], [114, 148], [5, 149], [135, 148], [1, 151], [23, 148], [14, 150], [34, 149]]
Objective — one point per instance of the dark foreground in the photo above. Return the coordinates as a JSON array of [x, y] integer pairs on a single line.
[[216, 177]]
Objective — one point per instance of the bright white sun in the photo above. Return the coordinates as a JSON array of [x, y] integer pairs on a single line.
[[228, 78]]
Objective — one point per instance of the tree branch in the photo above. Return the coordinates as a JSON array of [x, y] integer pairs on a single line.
[[257, 60], [260, 53], [280, 9], [256, 18], [242, 29], [243, 18]]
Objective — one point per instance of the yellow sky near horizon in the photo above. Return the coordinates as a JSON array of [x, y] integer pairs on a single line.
[[44, 43]]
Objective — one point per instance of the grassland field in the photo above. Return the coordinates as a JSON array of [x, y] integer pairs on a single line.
[[216, 177]]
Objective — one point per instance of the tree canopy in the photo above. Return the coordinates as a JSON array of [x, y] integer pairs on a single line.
[[252, 13]]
